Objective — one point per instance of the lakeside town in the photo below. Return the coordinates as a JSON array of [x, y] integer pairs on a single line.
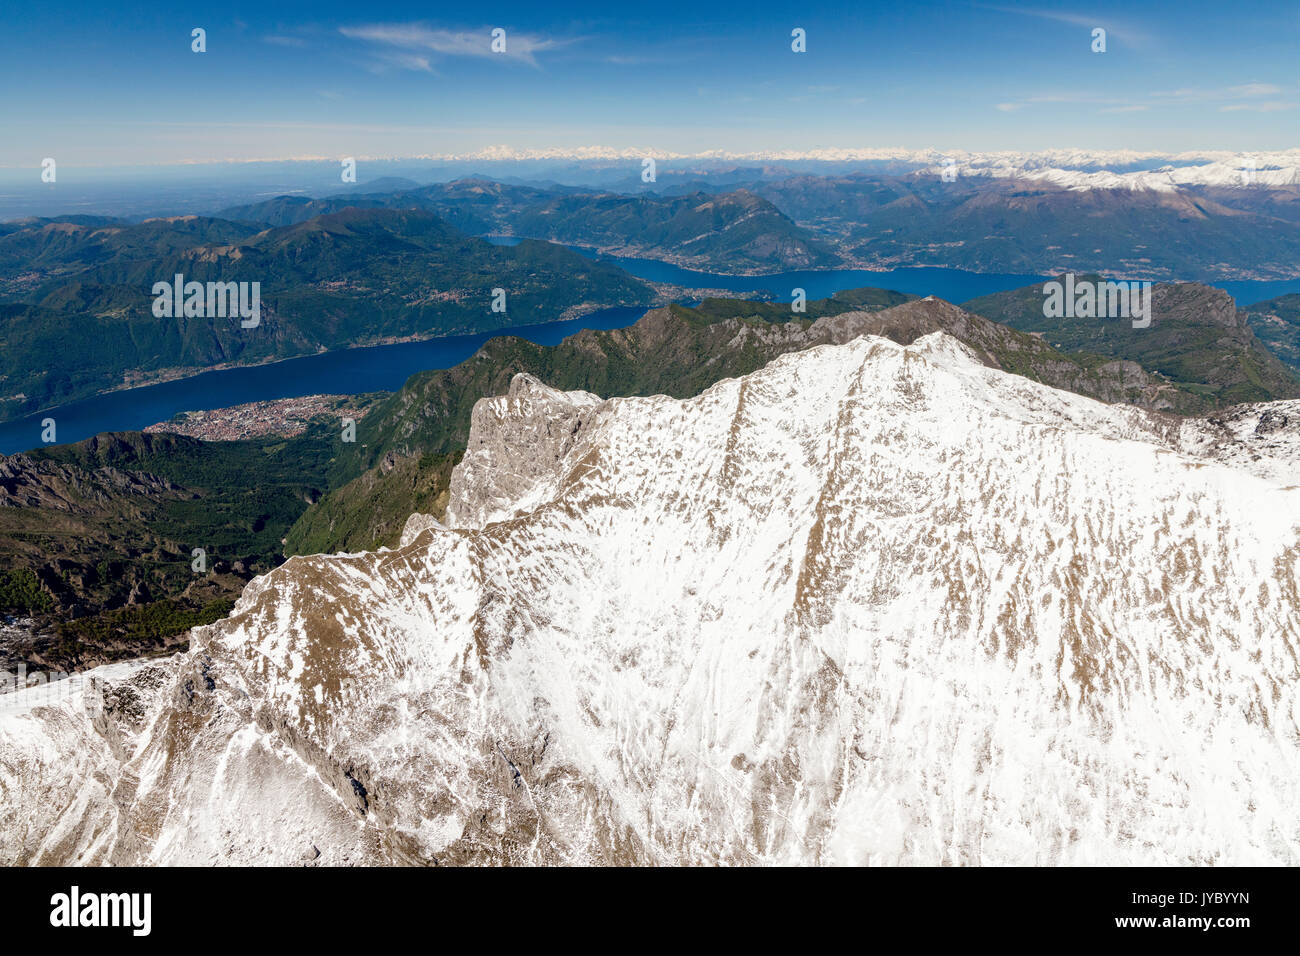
[[285, 417]]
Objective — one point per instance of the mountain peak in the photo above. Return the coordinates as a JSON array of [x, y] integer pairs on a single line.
[[794, 619]]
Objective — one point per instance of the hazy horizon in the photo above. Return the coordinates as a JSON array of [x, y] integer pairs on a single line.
[[398, 80]]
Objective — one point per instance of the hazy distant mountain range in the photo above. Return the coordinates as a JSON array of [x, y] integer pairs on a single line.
[[1009, 225], [754, 220], [735, 232]]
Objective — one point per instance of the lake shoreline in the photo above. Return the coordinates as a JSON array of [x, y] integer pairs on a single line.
[[182, 373], [369, 368], [634, 254], [355, 370]]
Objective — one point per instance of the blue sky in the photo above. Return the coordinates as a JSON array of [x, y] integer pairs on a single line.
[[96, 86]]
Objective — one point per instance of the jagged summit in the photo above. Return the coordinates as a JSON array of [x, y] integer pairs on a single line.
[[874, 603]]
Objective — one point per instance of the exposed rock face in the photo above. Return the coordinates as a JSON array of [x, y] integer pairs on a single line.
[[1260, 438], [515, 444], [25, 482], [1125, 374], [1193, 302], [874, 603]]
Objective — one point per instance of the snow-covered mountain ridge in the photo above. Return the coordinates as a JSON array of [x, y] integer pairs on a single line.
[[1075, 169], [870, 604], [1240, 172]]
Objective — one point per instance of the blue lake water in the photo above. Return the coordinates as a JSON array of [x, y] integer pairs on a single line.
[[951, 284], [955, 285], [343, 372], [387, 367]]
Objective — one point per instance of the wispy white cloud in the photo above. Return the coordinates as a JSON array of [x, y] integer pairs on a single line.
[[1255, 89], [385, 60], [1070, 99], [631, 59], [473, 43], [1196, 95], [1244, 97], [1266, 106], [1122, 31]]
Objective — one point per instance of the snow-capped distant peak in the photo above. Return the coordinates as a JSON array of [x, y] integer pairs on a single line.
[[1246, 171]]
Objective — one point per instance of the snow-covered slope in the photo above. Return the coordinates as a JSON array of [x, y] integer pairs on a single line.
[[1244, 171], [1262, 438], [870, 604]]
